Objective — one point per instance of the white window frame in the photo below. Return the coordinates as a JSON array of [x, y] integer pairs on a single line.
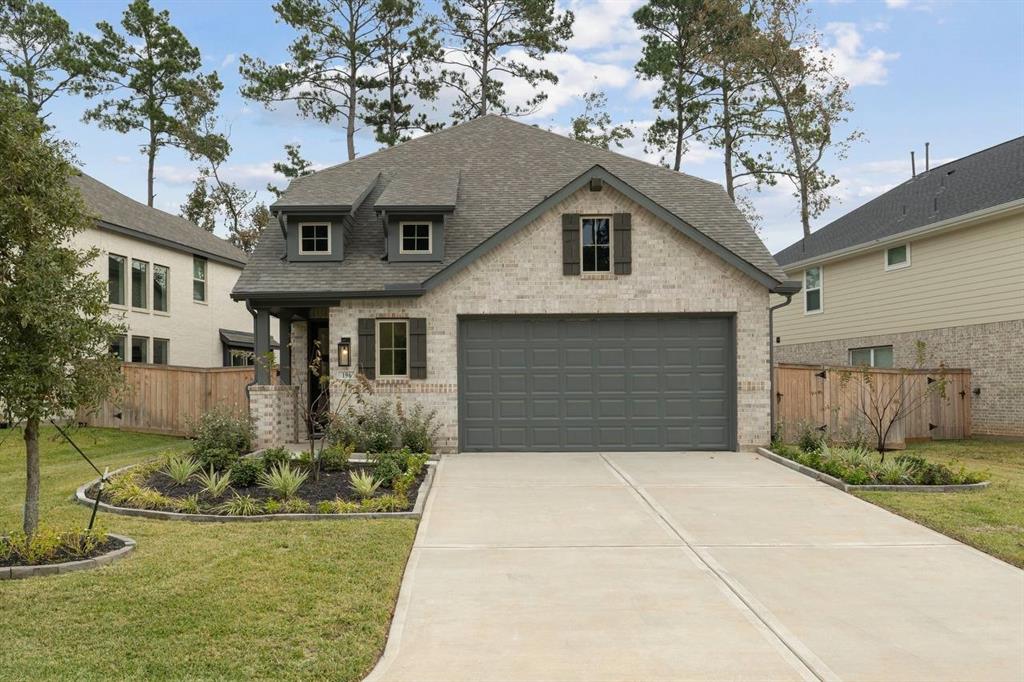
[[872, 350], [318, 223], [820, 289], [898, 266], [147, 285], [167, 290], [430, 237], [611, 246], [126, 265], [380, 347], [205, 280]]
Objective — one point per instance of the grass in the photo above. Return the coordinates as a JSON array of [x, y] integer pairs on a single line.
[[991, 519], [281, 600]]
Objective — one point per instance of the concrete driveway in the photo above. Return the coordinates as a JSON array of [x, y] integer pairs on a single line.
[[687, 566]]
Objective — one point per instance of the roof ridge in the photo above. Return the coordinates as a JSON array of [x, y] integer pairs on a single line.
[[966, 156]]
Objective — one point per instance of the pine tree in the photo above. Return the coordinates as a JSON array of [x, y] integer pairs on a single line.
[[294, 167], [594, 125]]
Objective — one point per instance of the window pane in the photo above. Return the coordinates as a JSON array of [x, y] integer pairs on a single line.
[[416, 237], [813, 298], [883, 356], [140, 275], [813, 278], [409, 244], [589, 258], [160, 351], [198, 279], [115, 279], [603, 258], [896, 255], [117, 347], [399, 332], [601, 230], [140, 349], [386, 335], [387, 363], [588, 231], [860, 357], [400, 362], [160, 277]]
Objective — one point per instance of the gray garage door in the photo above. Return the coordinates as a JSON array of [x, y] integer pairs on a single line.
[[638, 382]]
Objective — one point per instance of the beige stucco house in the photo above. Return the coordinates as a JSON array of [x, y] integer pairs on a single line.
[[938, 259], [169, 280], [537, 292]]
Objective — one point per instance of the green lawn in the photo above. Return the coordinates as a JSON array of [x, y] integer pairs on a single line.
[[281, 600], [992, 519]]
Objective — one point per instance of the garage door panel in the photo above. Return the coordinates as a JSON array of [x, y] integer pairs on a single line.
[[648, 357], [579, 383], [644, 408], [546, 408], [644, 383]]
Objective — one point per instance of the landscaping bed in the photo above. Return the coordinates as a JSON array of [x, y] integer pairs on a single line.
[[51, 551]]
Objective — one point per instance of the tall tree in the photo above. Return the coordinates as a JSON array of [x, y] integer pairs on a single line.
[[676, 48], [39, 54], [594, 124], [326, 73], [480, 38], [151, 73], [200, 206], [295, 166], [407, 46], [54, 319]]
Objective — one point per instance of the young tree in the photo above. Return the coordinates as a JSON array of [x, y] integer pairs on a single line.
[[325, 75], [481, 34], [200, 207], [293, 167], [39, 54], [594, 125], [151, 73], [407, 47], [54, 323]]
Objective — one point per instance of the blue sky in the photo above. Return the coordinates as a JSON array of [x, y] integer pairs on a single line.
[[949, 73]]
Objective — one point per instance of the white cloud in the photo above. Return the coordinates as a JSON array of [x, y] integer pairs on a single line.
[[858, 65], [896, 4], [605, 25], [175, 175], [228, 60]]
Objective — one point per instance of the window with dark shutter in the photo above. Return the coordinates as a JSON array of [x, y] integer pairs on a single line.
[[417, 348], [367, 352], [570, 243], [622, 239]]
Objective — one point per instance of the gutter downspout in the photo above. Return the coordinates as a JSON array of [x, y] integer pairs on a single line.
[[789, 292]]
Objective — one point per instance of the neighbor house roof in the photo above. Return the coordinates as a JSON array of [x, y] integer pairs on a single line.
[[496, 170], [985, 179], [240, 339], [123, 214]]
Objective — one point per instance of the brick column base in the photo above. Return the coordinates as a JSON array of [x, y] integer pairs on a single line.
[[272, 412]]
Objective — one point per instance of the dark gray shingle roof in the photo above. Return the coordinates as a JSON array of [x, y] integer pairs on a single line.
[[116, 209], [986, 178], [234, 337], [506, 168], [420, 187]]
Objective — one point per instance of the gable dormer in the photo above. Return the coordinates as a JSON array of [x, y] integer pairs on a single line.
[[317, 228], [414, 208]]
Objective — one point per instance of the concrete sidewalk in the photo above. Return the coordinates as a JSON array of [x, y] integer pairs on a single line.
[[687, 566]]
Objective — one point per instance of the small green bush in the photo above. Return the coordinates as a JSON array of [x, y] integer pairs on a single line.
[[241, 505], [364, 483], [272, 457], [220, 459], [335, 457], [296, 505], [180, 469], [214, 484], [283, 481], [388, 466], [810, 438], [222, 429], [49, 545], [246, 472], [272, 506], [416, 428]]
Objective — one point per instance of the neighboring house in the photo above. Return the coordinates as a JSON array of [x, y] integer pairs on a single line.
[[170, 280], [939, 259], [538, 293]]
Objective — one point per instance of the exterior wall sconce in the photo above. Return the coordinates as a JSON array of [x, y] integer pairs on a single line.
[[345, 352]]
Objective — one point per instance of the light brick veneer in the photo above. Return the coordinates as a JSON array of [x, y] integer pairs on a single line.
[[671, 274], [993, 352], [272, 411]]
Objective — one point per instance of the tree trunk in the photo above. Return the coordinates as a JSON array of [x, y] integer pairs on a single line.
[[485, 58], [151, 158], [31, 520], [350, 128], [727, 141]]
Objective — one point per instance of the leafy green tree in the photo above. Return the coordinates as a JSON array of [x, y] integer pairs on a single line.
[[39, 54], [293, 167], [329, 59], [407, 47], [151, 74], [594, 124], [480, 37], [54, 321], [200, 207]]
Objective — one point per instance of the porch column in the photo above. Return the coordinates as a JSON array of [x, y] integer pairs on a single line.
[[285, 331], [261, 329]]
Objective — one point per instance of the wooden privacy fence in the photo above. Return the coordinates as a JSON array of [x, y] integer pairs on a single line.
[[166, 398], [815, 396]]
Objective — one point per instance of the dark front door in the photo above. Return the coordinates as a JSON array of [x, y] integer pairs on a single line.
[[319, 347], [630, 382]]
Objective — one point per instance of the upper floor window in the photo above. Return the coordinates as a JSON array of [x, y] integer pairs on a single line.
[[897, 257], [596, 244], [415, 238], [140, 283], [812, 290], [393, 339], [161, 287], [115, 279], [314, 238], [875, 356], [198, 279]]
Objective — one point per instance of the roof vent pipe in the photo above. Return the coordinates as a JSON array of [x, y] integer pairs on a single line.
[[926, 163], [913, 168]]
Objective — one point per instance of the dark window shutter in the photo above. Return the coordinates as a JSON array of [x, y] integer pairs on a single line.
[[417, 348], [570, 243], [622, 243], [367, 347]]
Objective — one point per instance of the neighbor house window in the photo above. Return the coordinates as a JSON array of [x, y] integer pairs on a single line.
[[140, 282], [117, 347], [393, 339], [897, 257], [140, 349], [241, 358], [812, 290], [876, 356], [314, 238], [161, 281], [198, 279], [597, 245], [415, 238], [115, 279], [161, 351]]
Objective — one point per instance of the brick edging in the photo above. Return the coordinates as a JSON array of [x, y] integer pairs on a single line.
[[19, 572], [873, 487]]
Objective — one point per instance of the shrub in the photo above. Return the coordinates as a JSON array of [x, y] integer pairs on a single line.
[[222, 429], [48, 545], [810, 438], [272, 457], [296, 505], [282, 481], [364, 483], [180, 469], [388, 466], [325, 507], [272, 507], [189, 505], [246, 472], [895, 472], [240, 505], [335, 457], [214, 484], [416, 428], [371, 428], [220, 459]]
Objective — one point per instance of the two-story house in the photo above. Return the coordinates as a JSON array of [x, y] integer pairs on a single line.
[[937, 259]]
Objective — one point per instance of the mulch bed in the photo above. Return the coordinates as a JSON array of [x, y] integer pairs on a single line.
[[63, 556]]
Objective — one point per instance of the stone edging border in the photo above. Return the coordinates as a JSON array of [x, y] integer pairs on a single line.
[[874, 487], [18, 572], [415, 513]]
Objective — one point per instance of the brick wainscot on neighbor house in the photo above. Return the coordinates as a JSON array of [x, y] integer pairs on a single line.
[[940, 259], [170, 280], [539, 293]]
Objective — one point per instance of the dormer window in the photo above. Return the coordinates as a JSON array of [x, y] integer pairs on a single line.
[[415, 237], [314, 238]]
